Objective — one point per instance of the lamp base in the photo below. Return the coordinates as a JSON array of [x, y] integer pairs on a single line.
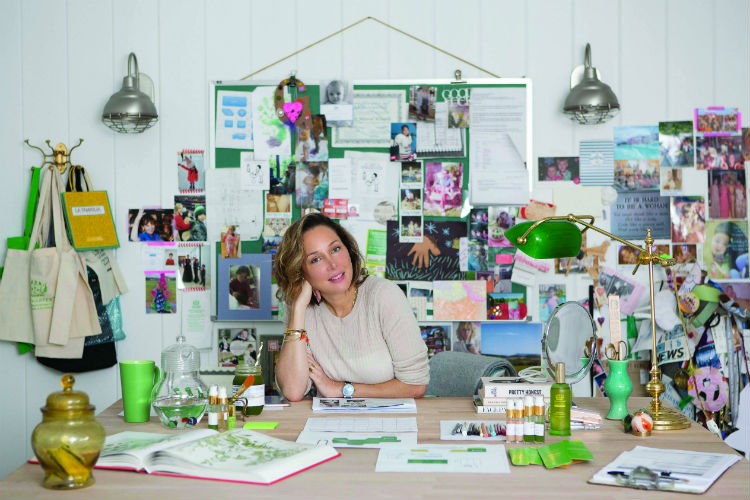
[[667, 419]]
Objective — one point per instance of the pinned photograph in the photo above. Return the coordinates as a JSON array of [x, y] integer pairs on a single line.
[[685, 253], [283, 175], [436, 337], [411, 174], [161, 292], [676, 144], [727, 194], [637, 143], [636, 175], [336, 102], [550, 296], [717, 120], [500, 220], [312, 184], [230, 242], [625, 287], [193, 267], [519, 343], [671, 181], [725, 250], [312, 144], [235, 344], [559, 168], [150, 225], [422, 100], [719, 153], [190, 218], [459, 114], [629, 256], [403, 141], [443, 195], [411, 229], [688, 219], [460, 300], [468, 338], [191, 173], [411, 201]]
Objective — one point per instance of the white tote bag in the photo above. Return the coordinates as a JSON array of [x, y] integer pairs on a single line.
[[62, 305]]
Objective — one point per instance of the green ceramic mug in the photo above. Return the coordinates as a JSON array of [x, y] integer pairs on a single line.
[[138, 378]]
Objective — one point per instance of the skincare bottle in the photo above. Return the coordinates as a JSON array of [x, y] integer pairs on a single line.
[[223, 414], [528, 419], [539, 419], [510, 420], [213, 400], [559, 406]]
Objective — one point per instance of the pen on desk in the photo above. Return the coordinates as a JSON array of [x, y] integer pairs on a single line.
[[662, 475]]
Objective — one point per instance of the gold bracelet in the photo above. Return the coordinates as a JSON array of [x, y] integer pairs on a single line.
[[298, 331]]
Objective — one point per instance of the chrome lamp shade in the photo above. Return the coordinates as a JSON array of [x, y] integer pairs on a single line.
[[130, 111], [591, 101]]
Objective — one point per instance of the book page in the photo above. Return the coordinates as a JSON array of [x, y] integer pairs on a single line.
[[119, 449]]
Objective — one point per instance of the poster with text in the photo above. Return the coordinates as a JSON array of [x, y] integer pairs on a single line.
[[633, 212]]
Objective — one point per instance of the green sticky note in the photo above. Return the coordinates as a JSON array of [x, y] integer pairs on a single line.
[[260, 425]]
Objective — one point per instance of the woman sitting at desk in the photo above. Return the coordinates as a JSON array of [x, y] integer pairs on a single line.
[[362, 337]]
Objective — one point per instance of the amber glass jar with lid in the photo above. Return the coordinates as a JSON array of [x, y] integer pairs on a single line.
[[68, 440]]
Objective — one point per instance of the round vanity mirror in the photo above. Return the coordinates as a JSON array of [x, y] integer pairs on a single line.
[[569, 331]]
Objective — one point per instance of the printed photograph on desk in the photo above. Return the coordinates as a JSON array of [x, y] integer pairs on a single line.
[[460, 300], [436, 337], [637, 143], [685, 253], [725, 250], [312, 184], [150, 224], [467, 337], [559, 168], [312, 144], [637, 175], [629, 256], [519, 343], [161, 292], [676, 144], [435, 258], [717, 121], [411, 229], [550, 296], [719, 153], [727, 194], [191, 173], [442, 191], [403, 141], [688, 219], [231, 247], [283, 175], [500, 220], [193, 267], [422, 103], [235, 343], [190, 218], [337, 102]]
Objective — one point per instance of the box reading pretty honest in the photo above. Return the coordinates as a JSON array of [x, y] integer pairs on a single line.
[[498, 389]]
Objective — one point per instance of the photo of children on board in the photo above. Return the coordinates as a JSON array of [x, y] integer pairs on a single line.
[[191, 174], [422, 103], [283, 178], [676, 144], [442, 190], [719, 153], [411, 200], [312, 184], [636, 175], [727, 195], [190, 218], [244, 287], [235, 344], [147, 224], [161, 292], [436, 337], [411, 173], [403, 141], [559, 168], [688, 217], [336, 102], [458, 114], [312, 144], [685, 253], [628, 255], [193, 271], [411, 226], [725, 250], [717, 121], [230, 242]]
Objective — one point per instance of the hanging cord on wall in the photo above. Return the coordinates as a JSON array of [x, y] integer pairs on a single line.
[[370, 18]]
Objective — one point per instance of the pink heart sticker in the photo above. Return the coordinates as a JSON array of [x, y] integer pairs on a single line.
[[292, 110]]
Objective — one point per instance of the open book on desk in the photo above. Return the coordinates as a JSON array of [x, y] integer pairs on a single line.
[[658, 469], [364, 405], [239, 455]]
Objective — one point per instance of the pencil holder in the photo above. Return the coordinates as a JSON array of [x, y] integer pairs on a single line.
[[618, 388]]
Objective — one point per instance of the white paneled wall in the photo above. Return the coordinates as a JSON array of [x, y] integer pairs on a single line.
[[61, 60]]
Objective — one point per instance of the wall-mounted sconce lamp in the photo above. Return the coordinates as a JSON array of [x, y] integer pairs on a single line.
[[590, 101], [130, 111]]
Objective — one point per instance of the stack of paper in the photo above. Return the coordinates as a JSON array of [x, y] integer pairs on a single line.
[[360, 432], [478, 459], [678, 470], [364, 405]]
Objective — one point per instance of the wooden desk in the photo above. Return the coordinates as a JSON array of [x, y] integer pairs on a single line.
[[353, 474]]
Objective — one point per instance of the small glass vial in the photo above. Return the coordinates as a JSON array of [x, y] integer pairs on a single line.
[[539, 419], [510, 432], [213, 410], [528, 419], [221, 408]]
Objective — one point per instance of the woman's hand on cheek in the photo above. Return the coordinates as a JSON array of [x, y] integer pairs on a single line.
[[303, 299]]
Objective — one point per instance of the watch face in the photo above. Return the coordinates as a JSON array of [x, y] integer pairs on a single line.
[[348, 390]]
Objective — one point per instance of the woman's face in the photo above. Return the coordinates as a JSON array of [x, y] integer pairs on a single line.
[[327, 265], [719, 243]]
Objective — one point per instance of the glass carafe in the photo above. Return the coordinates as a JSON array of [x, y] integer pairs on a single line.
[[180, 397]]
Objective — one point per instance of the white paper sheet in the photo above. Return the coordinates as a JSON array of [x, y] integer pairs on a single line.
[[578, 200], [234, 120], [358, 432], [195, 316], [270, 136], [229, 205], [254, 174], [374, 111], [374, 180], [482, 459], [435, 139], [364, 405], [339, 178]]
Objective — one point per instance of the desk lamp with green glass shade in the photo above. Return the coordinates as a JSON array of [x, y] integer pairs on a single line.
[[559, 237]]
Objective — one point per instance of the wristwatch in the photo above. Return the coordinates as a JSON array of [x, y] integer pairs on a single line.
[[348, 390]]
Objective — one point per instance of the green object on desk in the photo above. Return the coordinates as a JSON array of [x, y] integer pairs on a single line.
[[260, 425], [360, 442], [565, 452]]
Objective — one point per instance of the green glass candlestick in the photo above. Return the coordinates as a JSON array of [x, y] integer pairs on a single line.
[[618, 388]]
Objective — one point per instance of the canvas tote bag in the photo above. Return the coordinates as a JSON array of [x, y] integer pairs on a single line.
[[62, 305]]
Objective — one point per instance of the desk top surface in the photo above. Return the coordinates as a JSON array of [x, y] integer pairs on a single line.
[[353, 474]]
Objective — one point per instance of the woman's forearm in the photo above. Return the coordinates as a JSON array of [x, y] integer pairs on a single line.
[[292, 371], [393, 388]]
